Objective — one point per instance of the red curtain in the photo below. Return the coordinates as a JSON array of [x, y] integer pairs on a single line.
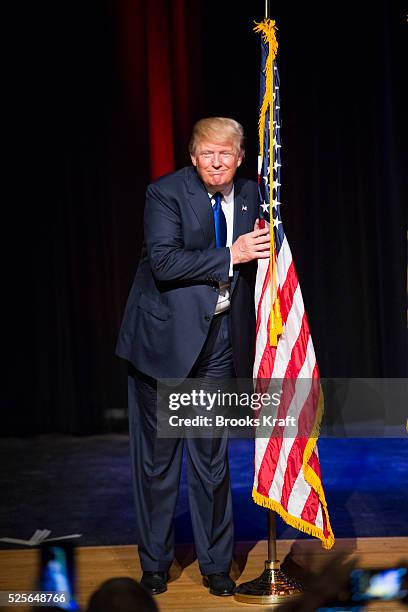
[[159, 42]]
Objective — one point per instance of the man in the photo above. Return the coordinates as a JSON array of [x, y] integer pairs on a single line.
[[190, 313]]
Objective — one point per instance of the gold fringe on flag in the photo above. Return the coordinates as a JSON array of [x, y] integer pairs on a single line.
[[268, 29]]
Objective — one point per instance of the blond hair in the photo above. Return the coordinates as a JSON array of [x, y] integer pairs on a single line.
[[217, 129]]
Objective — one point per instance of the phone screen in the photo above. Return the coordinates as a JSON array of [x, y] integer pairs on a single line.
[[57, 572], [384, 584]]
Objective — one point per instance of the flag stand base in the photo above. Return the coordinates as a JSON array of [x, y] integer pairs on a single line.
[[271, 587]]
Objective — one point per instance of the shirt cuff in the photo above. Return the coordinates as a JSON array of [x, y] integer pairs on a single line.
[[231, 266]]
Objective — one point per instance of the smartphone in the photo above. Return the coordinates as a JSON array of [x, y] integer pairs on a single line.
[[365, 585], [383, 584], [57, 573]]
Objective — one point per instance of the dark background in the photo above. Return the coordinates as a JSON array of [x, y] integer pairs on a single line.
[[82, 81]]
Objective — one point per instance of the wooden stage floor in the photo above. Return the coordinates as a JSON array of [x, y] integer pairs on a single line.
[[185, 592]]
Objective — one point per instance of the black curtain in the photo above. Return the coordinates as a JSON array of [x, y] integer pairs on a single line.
[[71, 245]]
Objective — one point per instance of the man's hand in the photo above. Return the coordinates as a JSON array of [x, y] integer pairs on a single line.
[[254, 245]]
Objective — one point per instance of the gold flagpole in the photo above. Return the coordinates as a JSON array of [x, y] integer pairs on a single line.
[[272, 587]]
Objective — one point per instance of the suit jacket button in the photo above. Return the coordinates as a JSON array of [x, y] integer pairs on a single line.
[[207, 317]]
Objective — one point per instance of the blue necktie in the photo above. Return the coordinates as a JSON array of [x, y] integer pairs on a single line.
[[220, 222]]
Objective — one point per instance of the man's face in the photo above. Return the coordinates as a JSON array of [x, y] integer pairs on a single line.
[[216, 164]]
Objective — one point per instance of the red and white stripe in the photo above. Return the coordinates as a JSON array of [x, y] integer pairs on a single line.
[[285, 480]]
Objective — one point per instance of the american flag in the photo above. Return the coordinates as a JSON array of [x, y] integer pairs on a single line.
[[287, 469]]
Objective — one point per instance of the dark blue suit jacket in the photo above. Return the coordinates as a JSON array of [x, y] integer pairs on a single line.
[[174, 294]]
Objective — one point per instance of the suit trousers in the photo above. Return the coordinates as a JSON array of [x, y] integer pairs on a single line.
[[156, 468]]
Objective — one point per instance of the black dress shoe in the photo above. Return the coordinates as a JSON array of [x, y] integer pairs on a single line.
[[154, 582], [219, 584]]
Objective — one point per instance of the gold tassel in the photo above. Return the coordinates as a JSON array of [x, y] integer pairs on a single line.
[[268, 29]]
